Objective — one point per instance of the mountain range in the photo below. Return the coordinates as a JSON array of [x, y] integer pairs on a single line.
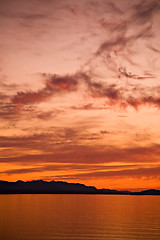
[[59, 187]]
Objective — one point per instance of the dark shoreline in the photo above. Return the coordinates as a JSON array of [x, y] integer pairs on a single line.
[[59, 187]]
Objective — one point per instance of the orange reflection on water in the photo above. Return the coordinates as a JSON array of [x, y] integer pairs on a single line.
[[79, 217]]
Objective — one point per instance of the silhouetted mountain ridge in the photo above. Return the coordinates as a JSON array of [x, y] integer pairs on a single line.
[[60, 187]]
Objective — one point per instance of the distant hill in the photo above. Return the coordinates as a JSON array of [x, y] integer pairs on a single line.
[[43, 187], [148, 192], [59, 187]]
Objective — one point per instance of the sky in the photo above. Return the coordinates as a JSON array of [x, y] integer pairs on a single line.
[[80, 92]]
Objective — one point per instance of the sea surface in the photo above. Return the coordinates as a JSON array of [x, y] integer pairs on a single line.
[[80, 217]]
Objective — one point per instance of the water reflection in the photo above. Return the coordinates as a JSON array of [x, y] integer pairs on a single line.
[[79, 217]]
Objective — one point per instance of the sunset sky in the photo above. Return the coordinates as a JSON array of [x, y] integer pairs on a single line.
[[80, 92]]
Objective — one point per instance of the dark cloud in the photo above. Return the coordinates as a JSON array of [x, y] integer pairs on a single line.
[[144, 11], [59, 83], [31, 97], [54, 84], [123, 73], [104, 132], [150, 100], [98, 89], [124, 97]]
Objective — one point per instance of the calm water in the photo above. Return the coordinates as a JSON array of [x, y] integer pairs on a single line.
[[67, 217]]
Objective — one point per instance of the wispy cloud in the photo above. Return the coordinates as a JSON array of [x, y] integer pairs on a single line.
[[67, 147], [54, 84], [85, 168], [152, 172], [145, 11], [138, 16], [134, 96], [95, 60]]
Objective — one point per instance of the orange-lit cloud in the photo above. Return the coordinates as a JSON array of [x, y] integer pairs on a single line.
[[79, 91]]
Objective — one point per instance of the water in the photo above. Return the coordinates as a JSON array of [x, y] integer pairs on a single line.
[[80, 217]]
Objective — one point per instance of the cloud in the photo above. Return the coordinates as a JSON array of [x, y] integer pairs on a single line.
[[59, 83], [67, 167], [125, 96], [145, 99], [8, 111], [27, 12], [29, 142], [144, 11], [23, 15], [21, 171], [7, 86], [54, 84], [31, 97], [130, 95], [45, 115], [130, 28], [108, 45], [152, 172], [154, 49], [89, 106], [123, 73], [69, 147], [104, 132], [121, 39], [114, 8], [3, 96]]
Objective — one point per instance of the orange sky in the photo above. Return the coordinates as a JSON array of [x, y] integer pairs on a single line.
[[80, 92]]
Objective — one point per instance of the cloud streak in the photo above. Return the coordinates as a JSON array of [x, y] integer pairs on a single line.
[[132, 173], [67, 167], [69, 147]]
